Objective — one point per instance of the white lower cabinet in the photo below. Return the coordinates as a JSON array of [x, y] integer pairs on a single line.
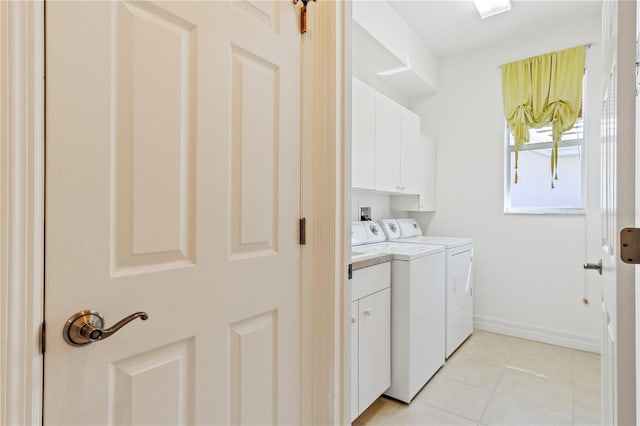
[[355, 412], [370, 336]]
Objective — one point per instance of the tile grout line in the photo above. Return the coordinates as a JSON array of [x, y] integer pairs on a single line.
[[493, 394], [449, 412]]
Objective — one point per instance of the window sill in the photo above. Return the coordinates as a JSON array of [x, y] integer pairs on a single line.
[[560, 212]]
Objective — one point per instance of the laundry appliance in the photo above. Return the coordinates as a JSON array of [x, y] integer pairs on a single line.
[[459, 279], [417, 307]]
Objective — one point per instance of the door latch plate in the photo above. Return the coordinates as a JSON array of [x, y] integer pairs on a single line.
[[630, 245]]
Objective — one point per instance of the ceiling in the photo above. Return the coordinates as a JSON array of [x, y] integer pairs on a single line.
[[452, 26]]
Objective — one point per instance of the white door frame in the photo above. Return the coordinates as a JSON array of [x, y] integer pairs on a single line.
[[21, 210], [324, 202]]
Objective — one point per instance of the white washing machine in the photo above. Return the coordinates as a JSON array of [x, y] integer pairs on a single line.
[[417, 308], [459, 260]]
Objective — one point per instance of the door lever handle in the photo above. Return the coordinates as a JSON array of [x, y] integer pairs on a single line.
[[596, 266], [86, 327]]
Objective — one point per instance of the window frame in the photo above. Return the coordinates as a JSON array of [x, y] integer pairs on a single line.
[[533, 146]]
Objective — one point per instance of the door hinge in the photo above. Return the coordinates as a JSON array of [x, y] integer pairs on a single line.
[[630, 245], [350, 271], [303, 231], [43, 338], [303, 15]]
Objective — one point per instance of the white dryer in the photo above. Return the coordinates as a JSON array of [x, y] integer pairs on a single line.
[[417, 308], [459, 281]]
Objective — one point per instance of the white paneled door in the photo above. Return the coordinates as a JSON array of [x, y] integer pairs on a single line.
[[173, 186], [617, 201]]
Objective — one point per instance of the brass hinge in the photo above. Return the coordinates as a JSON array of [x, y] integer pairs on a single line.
[[303, 15], [43, 338], [303, 231], [630, 245]]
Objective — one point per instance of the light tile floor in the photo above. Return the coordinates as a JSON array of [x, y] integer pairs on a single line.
[[494, 379]]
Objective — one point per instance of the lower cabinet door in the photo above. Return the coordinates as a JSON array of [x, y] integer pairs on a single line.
[[355, 412], [374, 347]]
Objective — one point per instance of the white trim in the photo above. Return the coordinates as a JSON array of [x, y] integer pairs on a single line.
[[21, 210], [540, 334], [324, 204]]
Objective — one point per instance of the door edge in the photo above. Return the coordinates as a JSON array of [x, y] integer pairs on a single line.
[[22, 150]]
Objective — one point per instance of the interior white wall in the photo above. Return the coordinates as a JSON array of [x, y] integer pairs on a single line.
[[528, 274]]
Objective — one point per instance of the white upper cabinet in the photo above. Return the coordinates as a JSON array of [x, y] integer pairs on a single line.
[[400, 152], [412, 153], [425, 171], [428, 193], [387, 125], [363, 139], [388, 152]]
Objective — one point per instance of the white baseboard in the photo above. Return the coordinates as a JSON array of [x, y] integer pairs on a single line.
[[539, 334]]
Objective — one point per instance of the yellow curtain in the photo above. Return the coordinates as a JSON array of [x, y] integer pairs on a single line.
[[541, 90]]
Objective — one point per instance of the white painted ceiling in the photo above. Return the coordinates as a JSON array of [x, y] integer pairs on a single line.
[[453, 26]]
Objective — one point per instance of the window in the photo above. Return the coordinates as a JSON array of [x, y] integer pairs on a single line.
[[533, 192]]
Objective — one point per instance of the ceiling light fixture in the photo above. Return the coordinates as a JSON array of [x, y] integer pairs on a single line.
[[487, 8]]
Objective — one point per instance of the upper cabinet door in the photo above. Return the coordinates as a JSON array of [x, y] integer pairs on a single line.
[[428, 190], [412, 154], [423, 159], [363, 136], [387, 125]]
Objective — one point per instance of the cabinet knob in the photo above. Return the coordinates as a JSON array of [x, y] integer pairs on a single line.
[[367, 311], [353, 319]]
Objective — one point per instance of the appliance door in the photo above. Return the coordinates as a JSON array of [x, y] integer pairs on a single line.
[[459, 296]]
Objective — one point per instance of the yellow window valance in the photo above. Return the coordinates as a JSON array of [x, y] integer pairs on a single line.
[[541, 90]]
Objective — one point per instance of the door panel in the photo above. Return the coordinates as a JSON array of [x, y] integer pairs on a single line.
[[152, 168], [617, 205], [374, 347], [387, 153], [363, 136], [137, 379], [173, 187]]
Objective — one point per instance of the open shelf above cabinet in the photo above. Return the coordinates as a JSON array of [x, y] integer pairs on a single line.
[[371, 59]]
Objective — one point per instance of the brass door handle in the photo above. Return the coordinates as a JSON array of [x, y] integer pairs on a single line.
[[86, 327]]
